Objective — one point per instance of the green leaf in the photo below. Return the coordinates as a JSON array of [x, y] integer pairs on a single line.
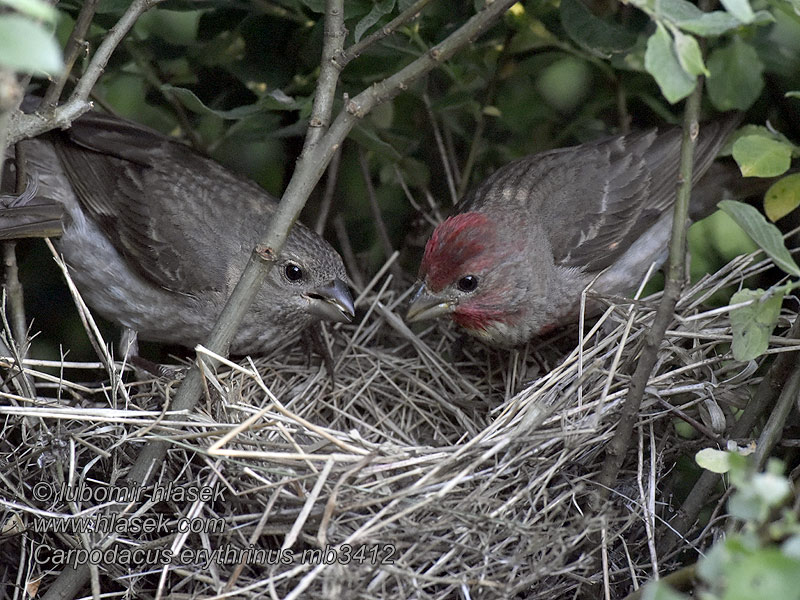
[[736, 78], [711, 567], [688, 17], [194, 104], [764, 574], [782, 197], [662, 63], [739, 9], [658, 590], [766, 235], [36, 9], [689, 54], [27, 47], [711, 459], [381, 8], [752, 325], [791, 547], [761, 156], [771, 488], [751, 129], [792, 94], [596, 35], [746, 506]]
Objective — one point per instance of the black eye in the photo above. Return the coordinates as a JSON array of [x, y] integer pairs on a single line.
[[468, 283], [293, 272]]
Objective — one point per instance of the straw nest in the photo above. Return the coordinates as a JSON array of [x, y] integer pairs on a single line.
[[430, 467]]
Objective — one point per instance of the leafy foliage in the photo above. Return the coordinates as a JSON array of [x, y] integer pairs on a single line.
[[761, 558], [26, 45]]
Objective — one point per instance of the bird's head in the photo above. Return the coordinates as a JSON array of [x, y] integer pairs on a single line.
[[471, 272], [309, 281]]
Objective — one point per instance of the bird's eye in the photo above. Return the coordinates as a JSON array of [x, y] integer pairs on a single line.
[[468, 283], [293, 272]]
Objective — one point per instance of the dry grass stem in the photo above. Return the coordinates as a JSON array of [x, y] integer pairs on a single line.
[[461, 471]]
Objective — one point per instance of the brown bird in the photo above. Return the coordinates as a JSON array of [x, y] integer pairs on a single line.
[[513, 261], [155, 236]]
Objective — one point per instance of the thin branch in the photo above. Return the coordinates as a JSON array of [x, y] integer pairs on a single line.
[[334, 34], [617, 448], [760, 404], [377, 217], [14, 292], [480, 121], [773, 430], [76, 44], [330, 190], [437, 135], [348, 255], [408, 15], [25, 126]]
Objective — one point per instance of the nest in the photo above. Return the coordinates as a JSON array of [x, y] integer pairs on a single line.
[[429, 468]]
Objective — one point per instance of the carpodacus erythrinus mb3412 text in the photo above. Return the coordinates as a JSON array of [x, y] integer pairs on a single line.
[[513, 261], [156, 235]]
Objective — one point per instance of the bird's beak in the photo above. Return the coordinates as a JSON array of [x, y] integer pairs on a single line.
[[425, 305], [332, 302]]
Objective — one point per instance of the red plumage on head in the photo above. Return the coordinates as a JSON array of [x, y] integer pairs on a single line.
[[458, 242]]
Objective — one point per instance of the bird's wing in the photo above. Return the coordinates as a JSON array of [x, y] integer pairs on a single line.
[[175, 215], [593, 201]]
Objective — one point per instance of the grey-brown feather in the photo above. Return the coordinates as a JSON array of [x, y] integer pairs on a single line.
[[624, 183], [157, 235], [559, 220]]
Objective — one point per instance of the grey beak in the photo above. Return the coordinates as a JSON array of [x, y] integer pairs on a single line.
[[332, 302], [425, 305]]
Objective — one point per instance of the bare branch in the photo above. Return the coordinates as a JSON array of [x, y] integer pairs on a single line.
[[329, 73], [75, 45], [25, 126], [330, 190], [616, 450], [377, 217], [437, 134]]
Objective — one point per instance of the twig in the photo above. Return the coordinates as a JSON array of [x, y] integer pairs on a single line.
[[348, 255], [408, 15], [616, 450], [334, 34], [760, 404], [437, 135], [377, 217], [13, 287], [23, 126], [697, 425], [480, 120], [75, 45], [777, 419], [330, 190]]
